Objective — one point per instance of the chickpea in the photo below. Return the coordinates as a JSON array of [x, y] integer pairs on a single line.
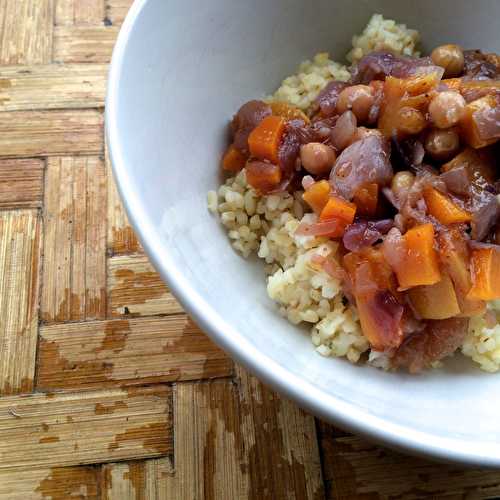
[[451, 58], [446, 109], [344, 131], [317, 158], [410, 120], [359, 99], [401, 183], [442, 144]]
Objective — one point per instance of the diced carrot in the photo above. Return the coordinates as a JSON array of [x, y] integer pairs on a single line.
[[350, 261], [454, 257], [263, 176], [453, 83], [468, 125], [485, 272], [438, 301], [264, 140], [366, 199], [380, 276], [478, 162], [379, 311], [382, 328], [420, 265], [420, 102], [316, 196], [414, 93], [393, 93], [421, 84], [288, 111], [234, 160], [337, 208], [443, 209]]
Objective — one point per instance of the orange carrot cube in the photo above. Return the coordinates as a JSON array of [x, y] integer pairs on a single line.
[[263, 176], [337, 208], [317, 195], [264, 140], [366, 199], [485, 272], [468, 123], [443, 209], [234, 160], [420, 265], [288, 111]]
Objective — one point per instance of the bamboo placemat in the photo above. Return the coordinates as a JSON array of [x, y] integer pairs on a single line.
[[108, 390]]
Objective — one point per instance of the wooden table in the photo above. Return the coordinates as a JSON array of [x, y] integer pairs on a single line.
[[108, 390]]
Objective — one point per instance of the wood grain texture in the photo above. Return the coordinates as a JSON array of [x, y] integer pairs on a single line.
[[58, 483], [82, 44], [121, 236], [209, 454], [123, 481], [281, 441], [48, 133], [19, 278], [54, 86], [74, 273], [78, 12], [26, 28], [240, 441], [355, 468], [127, 352], [136, 289], [21, 183], [90, 427], [116, 10], [144, 480]]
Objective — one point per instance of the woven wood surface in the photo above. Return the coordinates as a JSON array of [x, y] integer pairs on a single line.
[[107, 389]]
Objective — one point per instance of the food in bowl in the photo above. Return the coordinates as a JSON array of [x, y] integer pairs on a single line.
[[371, 193]]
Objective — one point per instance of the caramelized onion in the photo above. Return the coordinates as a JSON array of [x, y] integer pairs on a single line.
[[320, 228], [478, 67], [245, 120], [378, 65], [393, 249], [457, 180], [365, 161], [488, 122], [365, 233], [307, 181], [440, 338], [328, 97], [484, 208]]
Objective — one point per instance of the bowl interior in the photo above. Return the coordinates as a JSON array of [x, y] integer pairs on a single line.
[[180, 71]]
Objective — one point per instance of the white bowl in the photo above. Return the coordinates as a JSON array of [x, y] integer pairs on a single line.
[[179, 71]]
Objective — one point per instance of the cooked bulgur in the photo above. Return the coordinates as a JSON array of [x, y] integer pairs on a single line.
[[302, 88], [483, 342], [304, 292], [384, 34]]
